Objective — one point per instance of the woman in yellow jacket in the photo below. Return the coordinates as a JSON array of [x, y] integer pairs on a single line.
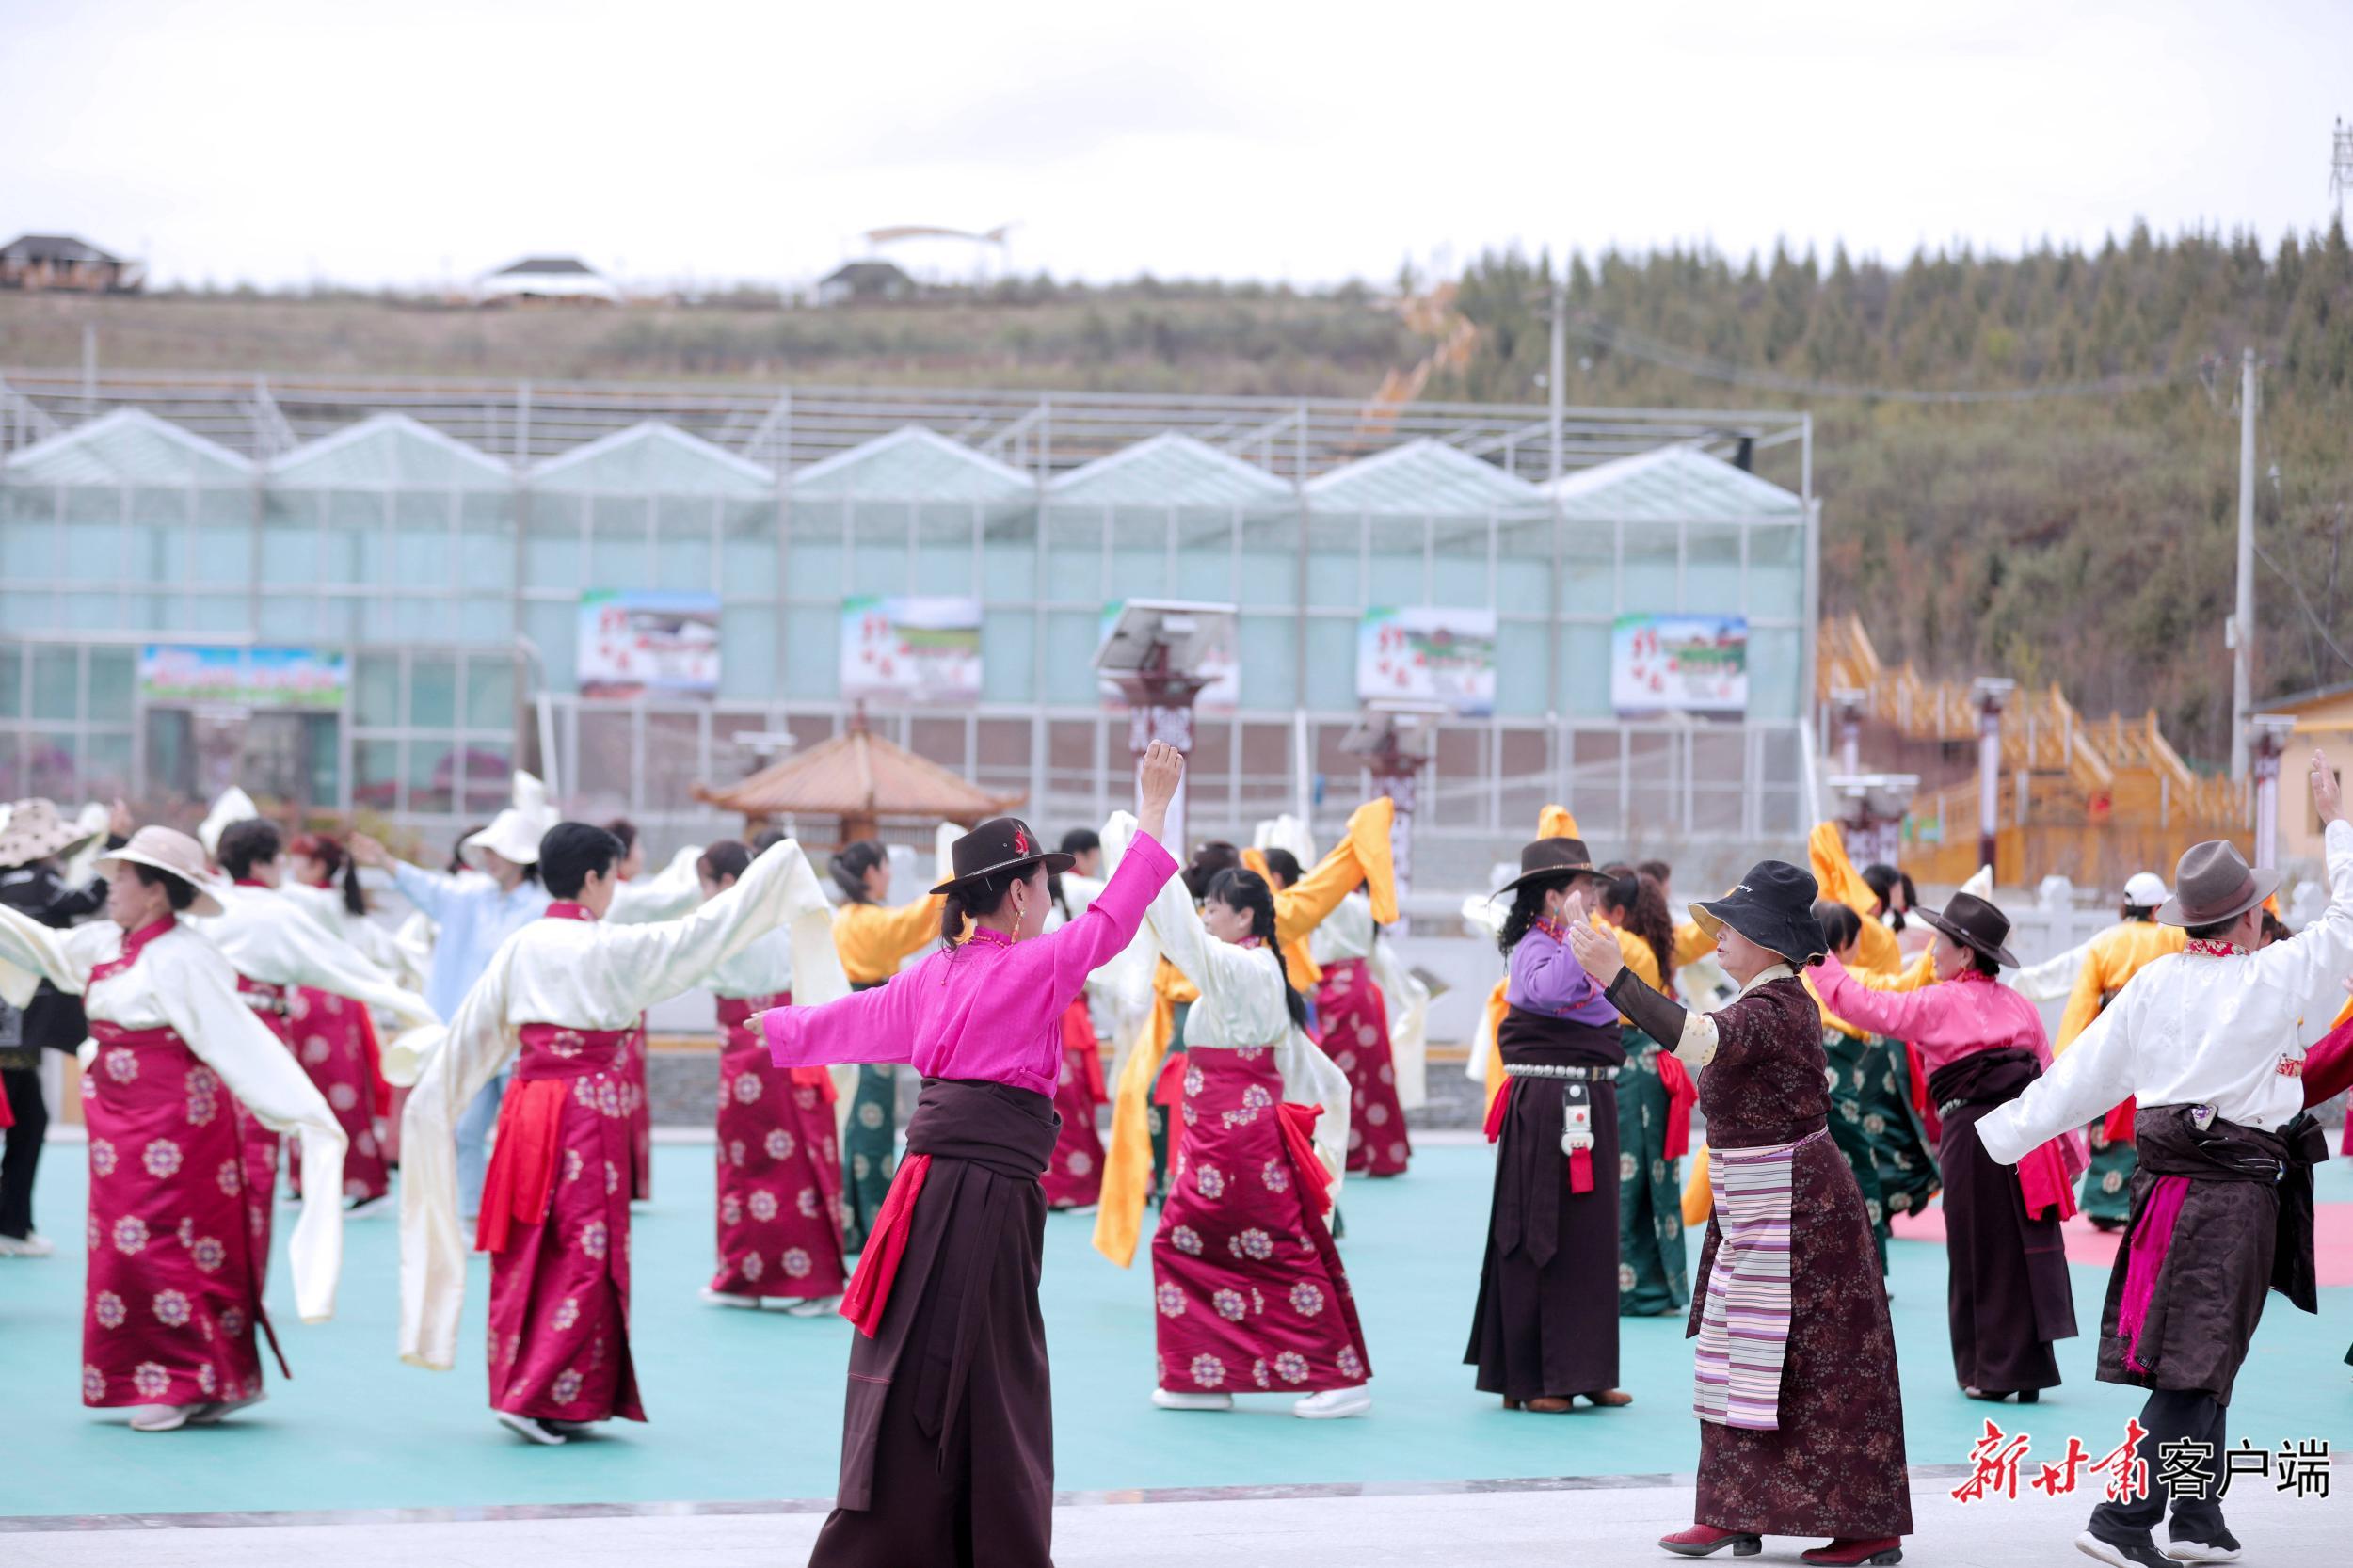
[[873, 940]]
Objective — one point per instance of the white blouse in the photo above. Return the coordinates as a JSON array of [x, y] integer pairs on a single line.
[[1241, 1002], [182, 983], [582, 975]]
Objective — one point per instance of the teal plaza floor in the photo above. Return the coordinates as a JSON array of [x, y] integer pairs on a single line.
[[748, 1406]]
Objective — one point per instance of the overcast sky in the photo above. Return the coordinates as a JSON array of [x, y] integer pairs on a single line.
[[405, 143]]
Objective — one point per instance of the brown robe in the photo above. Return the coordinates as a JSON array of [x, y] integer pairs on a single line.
[[1836, 1464], [948, 1442], [1546, 1322], [2007, 1294]]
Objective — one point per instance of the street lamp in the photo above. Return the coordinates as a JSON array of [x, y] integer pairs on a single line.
[[1397, 739], [1158, 653]]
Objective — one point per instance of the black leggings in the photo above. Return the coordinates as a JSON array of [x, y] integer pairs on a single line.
[[22, 1156]]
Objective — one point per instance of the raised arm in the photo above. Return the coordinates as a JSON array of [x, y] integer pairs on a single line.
[[2081, 1087], [669, 956], [1102, 931], [308, 955], [2083, 999], [433, 893], [665, 896], [31, 953], [1922, 1018], [2316, 962], [873, 1025], [1362, 855]]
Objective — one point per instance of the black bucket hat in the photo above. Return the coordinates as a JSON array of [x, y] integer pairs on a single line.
[[1975, 924], [1002, 845], [1773, 908], [1546, 858]]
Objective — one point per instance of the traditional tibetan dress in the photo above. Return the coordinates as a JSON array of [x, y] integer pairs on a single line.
[[1247, 1284], [556, 1002], [1352, 1027], [873, 941], [2008, 1298], [1800, 1415], [173, 1297], [1074, 1175], [1546, 1320], [947, 1443], [2110, 960], [1655, 1097], [779, 1186], [665, 896]]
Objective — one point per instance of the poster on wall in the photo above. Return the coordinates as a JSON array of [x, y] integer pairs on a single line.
[[635, 643], [920, 649], [1423, 654], [243, 676], [1221, 662], [1696, 665]]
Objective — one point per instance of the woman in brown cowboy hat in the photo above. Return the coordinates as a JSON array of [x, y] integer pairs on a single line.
[[174, 1286], [33, 846], [2006, 1299], [1800, 1415], [1545, 1327]]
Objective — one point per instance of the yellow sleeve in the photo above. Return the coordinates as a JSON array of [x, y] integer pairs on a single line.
[[1490, 1029], [1692, 943], [873, 941], [2083, 1002], [1830, 1019], [1361, 857], [1128, 1159], [1878, 952], [1637, 955], [1826, 849]]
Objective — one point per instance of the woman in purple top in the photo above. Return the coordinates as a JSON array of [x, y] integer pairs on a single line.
[[1546, 1325], [948, 1442]]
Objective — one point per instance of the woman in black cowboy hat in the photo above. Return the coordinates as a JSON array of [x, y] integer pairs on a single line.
[[2006, 1298], [1801, 1417], [1545, 1328]]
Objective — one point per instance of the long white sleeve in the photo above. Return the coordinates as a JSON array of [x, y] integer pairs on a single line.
[[2089, 1077], [660, 960], [1408, 1001], [267, 937], [2314, 965], [197, 991], [480, 1042], [664, 896], [31, 953]]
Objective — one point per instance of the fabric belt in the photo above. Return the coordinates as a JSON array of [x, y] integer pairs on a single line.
[[260, 996]]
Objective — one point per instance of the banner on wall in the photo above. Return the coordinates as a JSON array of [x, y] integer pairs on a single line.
[[914, 650], [1423, 654], [635, 642], [243, 676], [1695, 665], [1221, 662]]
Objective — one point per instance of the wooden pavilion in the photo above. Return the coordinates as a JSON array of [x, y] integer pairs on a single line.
[[863, 781]]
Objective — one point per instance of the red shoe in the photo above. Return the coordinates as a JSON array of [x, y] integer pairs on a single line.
[[1848, 1553], [1707, 1540]]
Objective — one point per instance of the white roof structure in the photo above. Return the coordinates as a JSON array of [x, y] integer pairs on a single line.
[[913, 463], [1170, 470], [127, 446], [653, 458], [547, 277], [1422, 478], [389, 450], [1673, 484]]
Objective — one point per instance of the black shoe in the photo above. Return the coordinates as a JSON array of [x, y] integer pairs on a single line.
[[2224, 1547], [2141, 1553], [2029, 1396]]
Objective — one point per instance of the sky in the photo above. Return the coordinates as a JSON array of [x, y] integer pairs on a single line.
[[422, 143]]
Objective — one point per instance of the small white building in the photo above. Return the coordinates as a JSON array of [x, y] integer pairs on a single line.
[[559, 278]]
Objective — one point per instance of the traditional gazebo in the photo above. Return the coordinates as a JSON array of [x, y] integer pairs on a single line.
[[864, 781]]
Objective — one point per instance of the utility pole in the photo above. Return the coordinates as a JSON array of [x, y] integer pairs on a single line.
[[2341, 166], [2242, 638]]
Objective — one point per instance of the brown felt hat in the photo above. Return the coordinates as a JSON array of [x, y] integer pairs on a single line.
[[1975, 924], [1002, 845], [2212, 884], [1546, 858]]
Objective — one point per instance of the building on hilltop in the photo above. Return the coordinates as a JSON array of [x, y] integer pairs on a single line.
[[866, 283], [564, 278], [66, 262]]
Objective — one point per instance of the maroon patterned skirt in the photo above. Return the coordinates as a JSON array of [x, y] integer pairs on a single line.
[[174, 1291], [1248, 1286], [259, 1144], [555, 1221], [1074, 1173], [1354, 1018], [633, 1068], [779, 1170], [335, 1041]]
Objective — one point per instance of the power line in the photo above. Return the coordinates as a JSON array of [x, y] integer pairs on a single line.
[[1670, 357], [2319, 628]]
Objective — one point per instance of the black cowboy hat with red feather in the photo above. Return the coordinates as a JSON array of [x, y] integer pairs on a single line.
[[1002, 845]]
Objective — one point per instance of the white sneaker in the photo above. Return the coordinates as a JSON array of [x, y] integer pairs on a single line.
[[529, 1429], [162, 1418], [1334, 1403], [210, 1414], [2227, 1550], [729, 1298], [813, 1306], [1165, 1399], [26, 1246]]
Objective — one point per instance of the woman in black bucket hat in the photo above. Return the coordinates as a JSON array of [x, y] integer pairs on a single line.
[[1800, 1415], [2007, 1300]]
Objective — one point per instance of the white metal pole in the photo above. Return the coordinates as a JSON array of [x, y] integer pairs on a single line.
[[2242, 621]]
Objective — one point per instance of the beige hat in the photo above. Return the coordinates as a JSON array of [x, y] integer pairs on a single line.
[[34, 831], [167, 850]]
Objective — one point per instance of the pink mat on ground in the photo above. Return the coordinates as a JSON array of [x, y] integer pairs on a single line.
[[2332, 1238]]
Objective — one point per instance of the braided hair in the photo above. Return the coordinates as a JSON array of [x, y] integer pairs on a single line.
[[850, 867], [1640, 906], [1240, 889], [338, 865], [1527, 907]]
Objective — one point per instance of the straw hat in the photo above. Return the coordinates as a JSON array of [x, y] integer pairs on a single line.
[[515, 833], [234, 806], [32, 830], [166, 849]]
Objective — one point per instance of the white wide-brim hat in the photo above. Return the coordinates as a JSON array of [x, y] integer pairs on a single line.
[[515, 833], [166, 849], [234, 806]]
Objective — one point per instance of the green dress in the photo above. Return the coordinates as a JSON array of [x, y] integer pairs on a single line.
[[2106, 1197], [1874, 1125], [1651, 1271], [870, 1146]]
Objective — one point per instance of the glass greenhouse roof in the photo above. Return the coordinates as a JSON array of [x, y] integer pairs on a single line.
[[912, 464], [127, 446], [1423, 477], [654, 458], [388, 450], [1170, 470], [1674, 484]]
